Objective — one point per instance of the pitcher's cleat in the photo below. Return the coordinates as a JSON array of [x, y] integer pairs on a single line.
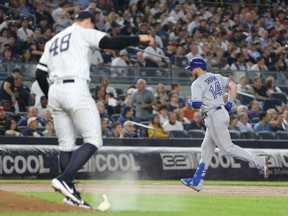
[[189, 183], [266, 171], [68, 190], [69, 202]]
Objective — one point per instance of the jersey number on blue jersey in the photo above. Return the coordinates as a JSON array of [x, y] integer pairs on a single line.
[[216, 89], [63, 46]]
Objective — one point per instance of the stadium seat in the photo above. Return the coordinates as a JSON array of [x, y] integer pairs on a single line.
[[245, 98], [281, 135], [196, 133], [186, 126], [178, 134], [234, 134], [143, 132], [247, 135], [265, 135]]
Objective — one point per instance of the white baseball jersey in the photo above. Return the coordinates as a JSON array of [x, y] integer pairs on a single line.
[[67, 58], [68, 54], [208, 89]]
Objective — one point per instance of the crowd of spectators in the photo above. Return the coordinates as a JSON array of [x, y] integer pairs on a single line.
[[246, 36]]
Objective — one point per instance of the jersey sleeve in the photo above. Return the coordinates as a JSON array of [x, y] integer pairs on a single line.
[[224, 81], [196, 92], [93, 37]]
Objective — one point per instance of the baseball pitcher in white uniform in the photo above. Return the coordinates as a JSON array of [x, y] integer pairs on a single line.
[[66, 62], [207, 95]]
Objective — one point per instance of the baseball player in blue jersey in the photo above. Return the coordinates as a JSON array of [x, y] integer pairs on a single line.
[[207, 95], [66, 62]]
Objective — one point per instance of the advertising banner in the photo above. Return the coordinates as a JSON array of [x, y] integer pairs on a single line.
[[110, 162]]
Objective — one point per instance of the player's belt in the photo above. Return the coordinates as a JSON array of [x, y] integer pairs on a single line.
[[207, 113], [68, 81]]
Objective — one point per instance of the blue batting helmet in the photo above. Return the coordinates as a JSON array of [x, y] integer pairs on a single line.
[[197, 63]]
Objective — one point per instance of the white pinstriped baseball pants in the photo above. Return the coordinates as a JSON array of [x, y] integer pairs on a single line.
[[217, 134], [74, 112]]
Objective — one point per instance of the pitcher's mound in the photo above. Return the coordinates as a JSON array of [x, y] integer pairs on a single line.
[[11, 202]]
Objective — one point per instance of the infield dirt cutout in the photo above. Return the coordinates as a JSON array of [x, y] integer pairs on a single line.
[[12, 202]]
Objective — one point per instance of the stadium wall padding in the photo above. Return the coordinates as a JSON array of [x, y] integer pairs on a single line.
[[40, 161]]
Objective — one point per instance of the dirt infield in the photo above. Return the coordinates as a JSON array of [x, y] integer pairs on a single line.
[[30, 204]]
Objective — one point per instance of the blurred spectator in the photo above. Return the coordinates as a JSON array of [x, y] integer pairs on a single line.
[[23, 91], [7, 89], [7, 56], [275, 119], [32, 128], [161, 93], [179, 60], [43, 24], [19, 106], [163, 113], [102, 111], [126, 115], [3, 118], [114, 30], [100, 95], [254, 111], [41, 11], [129, 131], [175, 88], [270, 86], [259, 66], [63, 22], [279, 65], [243, 85], [119, 64], [117, 130], [243, 123], [142, 100], [47, 116], [260, 91], [169, 51], [174, 102], [197, 122], [104, 83], [158, 131], [31, 112], [97, 59], [24, 30], [172, 123], [42, 106], [156, 55], [219, 61], [233, 125], [142, 62], [49, 129], [105, 127], [11, 127], [100, 21], [239, 64], [180, 116], [63, 6], [194, 52]]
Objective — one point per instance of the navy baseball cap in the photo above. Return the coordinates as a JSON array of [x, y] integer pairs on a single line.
[[85, 15], [197, 63]]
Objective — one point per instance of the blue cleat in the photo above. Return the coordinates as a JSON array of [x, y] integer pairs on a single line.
[[189, 183]]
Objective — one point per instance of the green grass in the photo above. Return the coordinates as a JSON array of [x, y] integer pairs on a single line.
[[193, 204]]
